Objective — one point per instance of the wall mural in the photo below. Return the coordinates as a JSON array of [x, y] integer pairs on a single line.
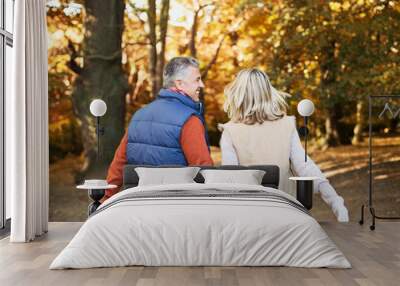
[[116, 51]]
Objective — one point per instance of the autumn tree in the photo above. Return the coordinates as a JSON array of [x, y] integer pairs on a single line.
[[156, 25], [64, 134], [332, 52], [101, 76]]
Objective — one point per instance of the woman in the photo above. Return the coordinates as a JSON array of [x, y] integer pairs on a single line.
[[260, 132]]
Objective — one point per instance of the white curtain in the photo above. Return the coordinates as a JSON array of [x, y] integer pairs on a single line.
[[27, 124]]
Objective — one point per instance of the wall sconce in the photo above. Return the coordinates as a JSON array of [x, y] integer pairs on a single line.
[[98, 108], [305, 109]]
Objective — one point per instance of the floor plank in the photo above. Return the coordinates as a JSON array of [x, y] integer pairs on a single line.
[[375, 257]]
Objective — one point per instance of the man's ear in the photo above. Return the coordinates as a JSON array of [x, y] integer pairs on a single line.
[[178, 83]]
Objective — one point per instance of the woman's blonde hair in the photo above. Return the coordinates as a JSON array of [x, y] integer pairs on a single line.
[[251, 98]]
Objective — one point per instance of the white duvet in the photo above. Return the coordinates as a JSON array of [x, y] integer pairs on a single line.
[[183, 231]]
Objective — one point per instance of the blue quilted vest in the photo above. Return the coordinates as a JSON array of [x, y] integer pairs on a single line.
[[154, 131]]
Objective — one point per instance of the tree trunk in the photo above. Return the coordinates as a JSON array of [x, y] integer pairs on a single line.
[[331, 133], [164, 17], [360, 122], [193, 34], [194, 29], [329, 68], [101, 77], [152, 21]]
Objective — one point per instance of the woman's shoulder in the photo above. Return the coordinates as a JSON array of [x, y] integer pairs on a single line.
[[230, 124], [291, 120], [289, 117], [285, 120]]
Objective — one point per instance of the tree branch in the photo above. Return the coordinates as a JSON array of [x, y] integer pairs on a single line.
[[137, 44], [195, 26], [72, 64], [205, 71], [136, 11]]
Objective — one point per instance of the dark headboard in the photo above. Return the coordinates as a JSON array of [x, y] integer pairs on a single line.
[[270, 179]]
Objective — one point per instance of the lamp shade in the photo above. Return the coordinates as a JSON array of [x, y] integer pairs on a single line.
[[305, 107], [98, 107]]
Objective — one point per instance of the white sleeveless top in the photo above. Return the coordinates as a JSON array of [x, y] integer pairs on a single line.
[[264, 144]]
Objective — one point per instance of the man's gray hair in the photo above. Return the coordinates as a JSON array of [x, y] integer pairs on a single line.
[[175, 69]]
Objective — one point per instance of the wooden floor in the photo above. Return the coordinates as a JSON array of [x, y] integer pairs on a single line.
[[375, 257]]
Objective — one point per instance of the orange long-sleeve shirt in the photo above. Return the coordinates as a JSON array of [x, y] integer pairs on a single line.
[[193, 144]]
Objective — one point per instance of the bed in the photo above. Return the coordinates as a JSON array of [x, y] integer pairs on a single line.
[[198, 224]]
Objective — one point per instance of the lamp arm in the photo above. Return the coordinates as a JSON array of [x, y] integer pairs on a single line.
[[98, 136], [305, 137]]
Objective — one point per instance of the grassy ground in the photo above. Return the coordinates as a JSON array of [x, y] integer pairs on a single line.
[[346, 167]]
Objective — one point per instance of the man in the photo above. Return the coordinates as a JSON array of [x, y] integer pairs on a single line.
[[169, 131]]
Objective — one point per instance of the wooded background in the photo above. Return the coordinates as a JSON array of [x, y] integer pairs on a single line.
[[335, 53]]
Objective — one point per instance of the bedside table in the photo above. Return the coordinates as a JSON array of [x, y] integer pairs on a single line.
[[304, 190], [96, 190]]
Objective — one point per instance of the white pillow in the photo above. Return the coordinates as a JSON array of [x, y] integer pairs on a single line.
[[248, 177], [165, 176]]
